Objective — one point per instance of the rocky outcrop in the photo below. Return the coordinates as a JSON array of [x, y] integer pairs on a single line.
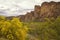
[[51, 9], [33, 15], [46, 10]]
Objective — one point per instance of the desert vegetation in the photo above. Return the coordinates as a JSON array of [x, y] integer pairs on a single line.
[[41, 24], [12, 29], [16, 30]]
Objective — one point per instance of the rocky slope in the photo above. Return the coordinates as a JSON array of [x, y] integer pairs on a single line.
[[46, 10]]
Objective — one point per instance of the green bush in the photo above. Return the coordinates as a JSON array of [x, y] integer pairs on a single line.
[[13, 29]]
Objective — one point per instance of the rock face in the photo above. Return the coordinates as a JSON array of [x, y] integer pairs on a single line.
[[33, 15], [51, 9], [46, 10]]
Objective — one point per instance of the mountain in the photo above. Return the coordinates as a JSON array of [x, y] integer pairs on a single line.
[[46, 10]]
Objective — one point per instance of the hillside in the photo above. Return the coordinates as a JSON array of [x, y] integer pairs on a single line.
[[41, 24], [46, 10]]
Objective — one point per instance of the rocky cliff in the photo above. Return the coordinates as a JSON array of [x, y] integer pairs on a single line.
[[46, 10]]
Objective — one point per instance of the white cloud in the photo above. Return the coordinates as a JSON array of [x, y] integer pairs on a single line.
[[12, 7], [27, 4]]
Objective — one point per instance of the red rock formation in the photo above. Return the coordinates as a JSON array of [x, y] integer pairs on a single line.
[[46, 10]]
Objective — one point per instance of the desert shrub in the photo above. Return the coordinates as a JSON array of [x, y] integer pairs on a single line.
[[13, 29], [48, 30], [56, 27]]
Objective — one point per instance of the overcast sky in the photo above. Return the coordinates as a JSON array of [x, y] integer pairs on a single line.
[[11, 6]]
